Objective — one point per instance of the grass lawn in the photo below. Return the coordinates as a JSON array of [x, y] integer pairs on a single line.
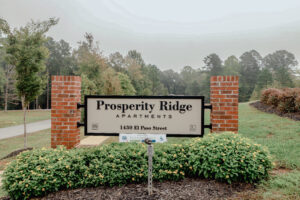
[[15, 117], [280, 135]]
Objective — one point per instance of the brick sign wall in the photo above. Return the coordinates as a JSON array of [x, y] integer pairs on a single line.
[[65, 94], [224, 97]]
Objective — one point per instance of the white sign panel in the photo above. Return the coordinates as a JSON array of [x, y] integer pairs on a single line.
[[155, 138], [171, 115]]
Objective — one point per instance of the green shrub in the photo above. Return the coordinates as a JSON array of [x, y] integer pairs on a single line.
[[225, 157], [228, 157], [35, 173]]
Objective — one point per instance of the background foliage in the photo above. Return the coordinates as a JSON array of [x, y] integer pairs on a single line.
[[130, 75]]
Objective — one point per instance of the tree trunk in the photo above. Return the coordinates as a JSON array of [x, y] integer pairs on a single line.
[[37, 103], [25, 133], [6, 95], [48, 93]]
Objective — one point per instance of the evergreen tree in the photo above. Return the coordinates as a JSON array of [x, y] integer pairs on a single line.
[[251, 63], [213, 64], [232, 66]]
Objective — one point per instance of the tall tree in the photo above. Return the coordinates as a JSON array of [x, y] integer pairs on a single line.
[[91, 64], [173, 82], [137, 73], [232, 66], [213, 64], [26, 51], [127, 87], [137, 57], [281, 63], [264, 79], [59, 62], [251, 62], [117, 62], [153, 75]]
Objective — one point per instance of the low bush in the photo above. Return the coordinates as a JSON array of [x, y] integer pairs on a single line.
[[284, 100], [225, 157], [229, 157], [265, 95]]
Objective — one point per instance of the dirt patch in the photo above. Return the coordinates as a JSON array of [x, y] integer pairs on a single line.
[[16, 152], [188, 188], [270, 109], [278, 171]]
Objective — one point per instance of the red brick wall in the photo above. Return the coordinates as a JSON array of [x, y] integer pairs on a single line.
[[65, 94], [224, 97]]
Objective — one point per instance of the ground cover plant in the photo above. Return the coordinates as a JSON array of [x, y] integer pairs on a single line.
[[15, 117], [38, 172]]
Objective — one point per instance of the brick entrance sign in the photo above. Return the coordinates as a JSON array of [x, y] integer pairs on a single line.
[[224, 97], [65, 94]]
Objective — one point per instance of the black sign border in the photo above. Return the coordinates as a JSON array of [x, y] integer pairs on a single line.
[[86, 97]]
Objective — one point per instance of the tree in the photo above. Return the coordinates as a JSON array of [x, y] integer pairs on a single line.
[[232, 66], [91, 64], [117, 62], [173, 82], [133, 54], [251, 62], [110, 84], [59, 62], [136, 71], [281, 63], [264, 80], [127, 87], [153, 75], [213, 64], [26, 51]]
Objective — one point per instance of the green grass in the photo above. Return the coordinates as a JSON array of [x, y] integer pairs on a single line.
[[15, 117], [36, 140], [280, 135], [282, 186]]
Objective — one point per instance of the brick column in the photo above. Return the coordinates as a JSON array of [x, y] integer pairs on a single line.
[[65, 94], [224, 97]]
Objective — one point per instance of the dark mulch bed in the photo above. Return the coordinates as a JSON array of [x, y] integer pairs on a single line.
[[189, 188], [270, 109], [16, 152]]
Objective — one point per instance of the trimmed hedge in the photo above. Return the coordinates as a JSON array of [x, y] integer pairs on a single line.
[[285, 100], [225, 157]]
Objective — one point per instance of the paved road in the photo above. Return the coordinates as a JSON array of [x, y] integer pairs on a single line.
[[19, 130]]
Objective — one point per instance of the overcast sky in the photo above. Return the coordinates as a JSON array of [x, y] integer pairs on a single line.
[[169, 33]]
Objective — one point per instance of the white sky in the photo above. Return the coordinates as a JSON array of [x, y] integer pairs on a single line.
[[169, 33]]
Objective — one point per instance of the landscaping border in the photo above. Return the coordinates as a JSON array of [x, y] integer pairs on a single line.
[[270, 109]]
